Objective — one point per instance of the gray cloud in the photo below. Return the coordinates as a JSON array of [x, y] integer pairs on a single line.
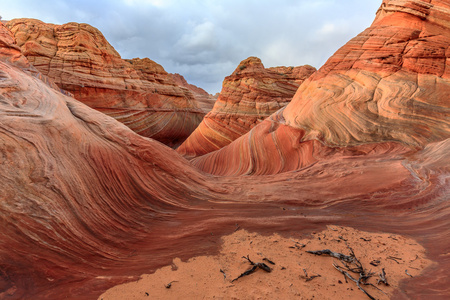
[[204, 40]]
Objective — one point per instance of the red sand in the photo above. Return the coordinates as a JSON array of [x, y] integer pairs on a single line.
[[200, 277]]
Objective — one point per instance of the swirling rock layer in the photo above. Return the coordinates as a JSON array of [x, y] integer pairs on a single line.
[[137, 92], [86, 203], [390, 83], [249, 95]]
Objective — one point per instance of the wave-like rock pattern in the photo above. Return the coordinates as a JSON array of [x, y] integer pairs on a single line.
[[249, 95], [390, 83], [62, 164], [281, 149], [137, 92], [86, 203]]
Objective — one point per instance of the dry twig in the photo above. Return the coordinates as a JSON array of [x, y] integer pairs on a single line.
[[308, 278], [351, 264], [406, 272], [269, 261], [169, 285], [382, 278], [337, 255], [224, 275], [353, 279], [259, 265]]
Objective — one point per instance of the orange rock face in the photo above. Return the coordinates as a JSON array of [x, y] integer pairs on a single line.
[[11, 54], [249, 95], [205, 101], [87, 204], [391, 83], [45, 204], [137, 92], [9, 51]]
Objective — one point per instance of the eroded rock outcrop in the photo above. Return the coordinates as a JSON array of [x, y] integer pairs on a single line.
[[11, 54], [61, 161], [249, 95], [136, 92], [87, 204], [9, 51], [391, 83], [205, 101]]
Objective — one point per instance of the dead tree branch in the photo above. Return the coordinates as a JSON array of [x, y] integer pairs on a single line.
[[257, 265], [337, 255]]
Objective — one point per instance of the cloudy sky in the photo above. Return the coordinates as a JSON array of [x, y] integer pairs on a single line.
[[204, 40]]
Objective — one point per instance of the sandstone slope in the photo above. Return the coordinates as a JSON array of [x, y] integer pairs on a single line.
[[87, 204], [391, 83], [136, 92], [248, 96], [62, 164]]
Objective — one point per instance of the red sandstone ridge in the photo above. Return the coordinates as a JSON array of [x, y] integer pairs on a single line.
[[86, 204], [9, 51], [249, 95], [137, 92], [391, 83], [205, 101], [11, 54]]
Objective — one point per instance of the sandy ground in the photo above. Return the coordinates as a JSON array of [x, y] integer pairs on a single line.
[[295, 273]]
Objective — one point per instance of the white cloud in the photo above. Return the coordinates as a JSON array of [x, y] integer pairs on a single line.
[[157, 3], [204, 40], [201, 38], [329, 30], [279, 52]]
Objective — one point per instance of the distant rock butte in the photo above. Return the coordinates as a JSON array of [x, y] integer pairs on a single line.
[[136, 92], [391, 83], [249, 95], [205, 101]]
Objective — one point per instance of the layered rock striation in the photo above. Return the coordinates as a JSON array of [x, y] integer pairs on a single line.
[[248, 96], [391, 83], [10, 53], [86, 203], [205, 101], [136, 92], [61, 165]]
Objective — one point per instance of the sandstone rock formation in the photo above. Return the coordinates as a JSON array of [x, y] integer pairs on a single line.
[[137, 92], [391, 83], [11, 54], [9, 51], [86, 203], [249, 95], [61, 162], [205, 101]]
